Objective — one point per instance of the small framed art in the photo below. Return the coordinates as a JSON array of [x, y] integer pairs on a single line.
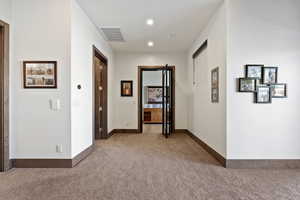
[[270, 75], [263, 94], [40, 74], [247, 84], [279, 90], [215, 85], [155, 94], [126, 88], [254, 71]]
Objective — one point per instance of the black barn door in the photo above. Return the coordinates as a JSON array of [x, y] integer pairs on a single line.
[[167, 101]]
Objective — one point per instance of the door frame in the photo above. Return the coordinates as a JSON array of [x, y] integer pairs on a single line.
[[141, 69], [5, 162], [104, 134]]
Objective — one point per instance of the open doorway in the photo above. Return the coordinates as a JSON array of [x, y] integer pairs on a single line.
[[5, 163], [100, 94], [151, 89]]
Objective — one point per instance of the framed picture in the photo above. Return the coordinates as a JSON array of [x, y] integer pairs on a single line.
[[126, 88], [270, 75], [263, 94], [155, 94], [215, 85], [279, 90], [40, 74], [247, 84], [254, 71]]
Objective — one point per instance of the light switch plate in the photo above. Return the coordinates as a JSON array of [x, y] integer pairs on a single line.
[[59, 148]]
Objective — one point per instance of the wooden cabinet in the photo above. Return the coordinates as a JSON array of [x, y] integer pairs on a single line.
[[152, 115]]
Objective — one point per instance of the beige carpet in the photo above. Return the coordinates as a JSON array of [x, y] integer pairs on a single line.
[[149, 167]]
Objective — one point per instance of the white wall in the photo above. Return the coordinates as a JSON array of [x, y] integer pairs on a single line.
[[208, 120], [265, 32], [41, 32], [84, 36], [5, 10], [126, 69]]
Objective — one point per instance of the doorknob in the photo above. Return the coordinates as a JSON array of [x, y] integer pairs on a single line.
[[100, 109]]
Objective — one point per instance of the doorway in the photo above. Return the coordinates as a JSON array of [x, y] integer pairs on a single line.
[[152, 115], [5, 163], [100, 94]]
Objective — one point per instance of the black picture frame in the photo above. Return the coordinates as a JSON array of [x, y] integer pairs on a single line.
[[264, 81], [257, 99], [279, 96], [260, 66], [40, 73], [126, 88], [254, 82]]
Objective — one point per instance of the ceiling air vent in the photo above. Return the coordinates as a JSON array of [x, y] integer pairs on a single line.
[[113, 34]]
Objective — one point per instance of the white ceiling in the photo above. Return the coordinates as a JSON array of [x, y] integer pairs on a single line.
[[183, 18]]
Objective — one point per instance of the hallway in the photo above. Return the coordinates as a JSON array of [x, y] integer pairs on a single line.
[[148, 166]]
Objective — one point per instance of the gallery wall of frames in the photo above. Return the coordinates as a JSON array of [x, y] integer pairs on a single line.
[[262, 81]]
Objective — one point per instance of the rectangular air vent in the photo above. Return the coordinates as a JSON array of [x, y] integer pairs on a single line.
[[113, 34]]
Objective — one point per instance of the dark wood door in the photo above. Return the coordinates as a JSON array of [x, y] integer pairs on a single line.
[[100, 99], [1, 99]]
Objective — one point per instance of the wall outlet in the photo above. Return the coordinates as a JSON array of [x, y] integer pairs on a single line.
[[59, 148]]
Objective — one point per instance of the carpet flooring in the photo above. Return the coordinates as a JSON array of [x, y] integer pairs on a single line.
[[149, 167]]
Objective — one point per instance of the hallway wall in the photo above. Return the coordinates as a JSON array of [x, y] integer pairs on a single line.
[[126, 69], [207, 120], [84, 35], [41, 32], [264, 32], [5, 10]]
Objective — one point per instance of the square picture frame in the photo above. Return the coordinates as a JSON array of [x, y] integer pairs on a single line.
[[40, 74], [279, 90], [270, 75], [126, 88], [247, 85], [215, 96], [154, 94], [254, 71], [263, 95]]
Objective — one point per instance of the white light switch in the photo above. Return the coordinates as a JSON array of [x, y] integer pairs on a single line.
[[59, 148], [55, 104]]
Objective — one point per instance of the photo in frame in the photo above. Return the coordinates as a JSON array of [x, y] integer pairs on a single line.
[[254, 71], [155, 94], [263, 95], [215, 85], [247, 84], [270, 75], [279, 90], [126, 88], [40, 74]]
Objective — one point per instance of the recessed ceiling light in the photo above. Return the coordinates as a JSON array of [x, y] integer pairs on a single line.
[[150, 22], [150, 44]]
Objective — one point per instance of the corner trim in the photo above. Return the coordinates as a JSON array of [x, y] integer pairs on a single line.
[[52, 163], [263, 164], [128, 131], [83, 155], [207, 148], [244, 164]]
